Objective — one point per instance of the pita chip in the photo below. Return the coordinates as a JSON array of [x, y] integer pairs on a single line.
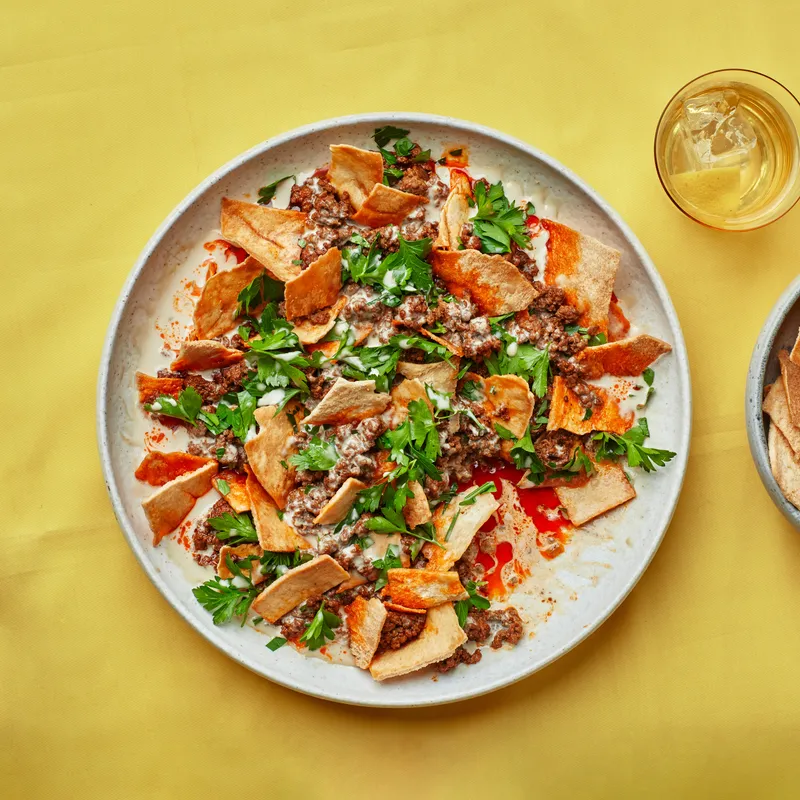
[[237, 497], [355, 579], [509, 402], [440, 375], [440, 638], [298, 585], [268, 449], [315, 287], [273, 533], [776, 405], [215, 312], [795, 354], [623, 357], [567, 413], [417, 510], [365, 620], [348, 401], [607, 488], [584, 268], [309, 332], [469, 520], [387, 206], [618, 323], [784, 465], [338, 507], [790, 376], [150, 388], [354, 171], [404, 609], [204, 354], [455, 211], [240, 551], [423, 588], [158, 468], [168, 506], [495, 285], [402, 394], [268, 234]]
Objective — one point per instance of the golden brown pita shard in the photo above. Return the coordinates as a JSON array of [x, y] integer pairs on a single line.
[[268, 234], [795, 354], [354, 580], [338, 507], [268, 451], [417, 510], [623, 357], [365, 620], [495, 285], [423, 588], [273, 533], [776, 405], [298, 585], [196, 356], [315, 287], [215, 312], [607, 488], [440, 638], [584, 268], [387, 206], [348, 401], [440, 375], [404, 609], [567, 413], [168, 506], [453, 348], [354, 171], [785, 466], [236, 497], [509, 402], [455, 211], [309, 332], [241, 551], [469, 520], [790, 375], [150, 388], [402, 394]]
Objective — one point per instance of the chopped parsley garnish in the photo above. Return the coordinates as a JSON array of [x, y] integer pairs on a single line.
[[223, 487], [414, 445], [503, 432], [497, 223], [234, 528], [597, 339], [266, 193], [648, 376], [275, 643], [528, 362], [472, 391], [224, 601], [378, 364], [319, 456], [262, 289], [185, 408], [631, 444], [469, 500], [274, 564], [320, 628], [384, 135], [234, 411], [474, 600], [391, 560]]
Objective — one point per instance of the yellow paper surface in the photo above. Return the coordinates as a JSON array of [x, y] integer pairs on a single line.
[[109, 114]]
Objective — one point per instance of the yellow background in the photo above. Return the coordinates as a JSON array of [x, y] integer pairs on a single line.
[[110, 112]]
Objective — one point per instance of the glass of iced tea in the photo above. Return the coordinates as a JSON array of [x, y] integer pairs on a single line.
[[727, 150]]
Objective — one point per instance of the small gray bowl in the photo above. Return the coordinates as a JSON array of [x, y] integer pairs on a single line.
[[779, 332]]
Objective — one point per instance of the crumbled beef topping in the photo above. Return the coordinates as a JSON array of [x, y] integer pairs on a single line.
[[555, 448], [205, 537], [461, 656], [400, 628], [511, 630]]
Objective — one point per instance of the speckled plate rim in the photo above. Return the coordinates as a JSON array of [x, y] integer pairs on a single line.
[[679, 352], [754, 393]]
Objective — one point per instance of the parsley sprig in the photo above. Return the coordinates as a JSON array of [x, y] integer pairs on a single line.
[[527, 361], [185, 407], [497, 223], [390, 560], [475, 600], [612, 447], [262, 289], [266, 193], [224, 601], [319, 456], [320, 628], [414, 445]]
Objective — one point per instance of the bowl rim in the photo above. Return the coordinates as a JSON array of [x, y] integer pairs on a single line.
[[754, 394], [679, 350]]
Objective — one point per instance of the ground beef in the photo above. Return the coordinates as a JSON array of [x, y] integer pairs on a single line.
[[230, 379], [438, 191], [477, 626], [353, 442], [520, 259], [461, 656], [205, 537], [294, 624], [413, 312], [555, 448], [464, 444], [400, 628], [208, 391], [306, 501], [512, 628], [468, 237], [317, 198], [415, 180]]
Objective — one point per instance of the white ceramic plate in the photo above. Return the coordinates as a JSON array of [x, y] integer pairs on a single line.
[[570, 596]]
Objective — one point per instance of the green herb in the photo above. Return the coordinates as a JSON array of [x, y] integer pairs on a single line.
[[223, 487], [234, 528], [320, 628], [262, 289], [220, 451], [648, 376], [384, 135], [475, 600], [391, 560], [266, 193], [528, 362], [257, 620], [498, 223], [370, 363], [186, 407], [234, 411], [469, 500], [472, 391], [276, 643], [452, 525], [530, 209], [466, 365], [272, 563], [319, 456], [503, 433], [224, 601], [298, 262], [597, 339], [391, 175], [587, 415], [301, 243], [457, 152], [631, 444], [524, 457]]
